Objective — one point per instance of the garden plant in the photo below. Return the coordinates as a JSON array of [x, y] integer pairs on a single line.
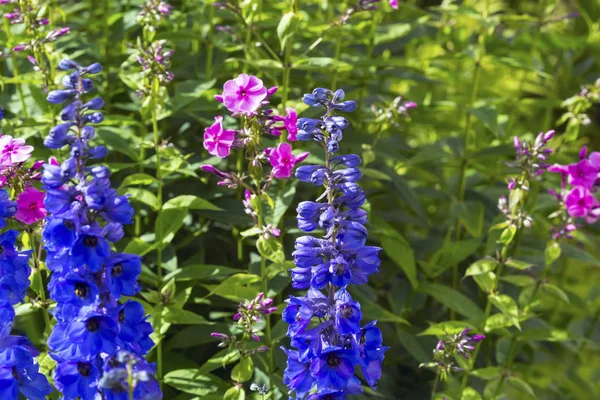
[[299, 199]]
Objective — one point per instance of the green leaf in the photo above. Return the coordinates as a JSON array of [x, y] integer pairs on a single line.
[[487, 373], [507, 305], [167, 224], [552, 253], [556, 292], [486, 282], [286, 28], [498, 321], [520, 385], [517, 264], [242, 372], [236, 287], [186, 380], [179, 316], [579, 254], [453, 299], [507, 235], [375, 311], [412, 345], [271, 249], [201, 271], [137, 179], [446, 328], [190, 202], [400, 251], [453, 252], [470, 394], [471, 215], [283, 201], [143, 196], [254, 231], [320, 63], [544, 334], [482, 266], [235, 393], [519, 280], [488, 116]]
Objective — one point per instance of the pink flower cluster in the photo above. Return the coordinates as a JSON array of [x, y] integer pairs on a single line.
[[245, 96], [579, 182], [13, 155]]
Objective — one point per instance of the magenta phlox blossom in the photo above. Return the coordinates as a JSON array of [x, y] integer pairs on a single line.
[[283, 161], [290, 122], [243, 95], [579, 202], [13, 151], [583, 173], [30, 206], [218, 141], [394, 4]]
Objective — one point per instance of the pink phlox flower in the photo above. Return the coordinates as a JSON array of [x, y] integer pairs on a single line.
[[30, 206], [243, 95], [283, 161], [290, 122], [582, 173], [218, 141], [394, 4], [13, 151], [579, 202]]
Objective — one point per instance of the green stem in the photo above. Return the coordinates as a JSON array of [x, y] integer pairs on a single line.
[[37, 254], [15, 68], [466, 138], [507, 364], [435, 386], [154, 93], [265, 284], [210, 41], [336, 57]]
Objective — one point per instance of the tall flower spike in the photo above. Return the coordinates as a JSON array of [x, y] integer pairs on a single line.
[[325, 327], [89, 279]]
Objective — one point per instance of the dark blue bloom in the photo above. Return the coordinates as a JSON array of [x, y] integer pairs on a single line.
[[84, 338], [85, 215], [334, 367], [325, 329], [8, 208], [297, 374], [77, 379]]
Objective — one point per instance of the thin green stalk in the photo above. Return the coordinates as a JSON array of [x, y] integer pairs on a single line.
[[130, 385], [37, 254], [372, 70], [154, 93], [210, 41], [15, 68], [466, 138], [265, 284], [435, 385], [336, 57]]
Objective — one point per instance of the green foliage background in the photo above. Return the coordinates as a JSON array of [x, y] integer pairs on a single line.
[[481, 72]]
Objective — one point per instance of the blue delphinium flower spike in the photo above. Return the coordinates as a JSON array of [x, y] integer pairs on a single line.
[[325, 327], [89, 278]]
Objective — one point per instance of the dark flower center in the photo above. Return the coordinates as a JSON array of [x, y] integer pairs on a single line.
[[117, 270], [346, 311], [121, 316], [84, 368], [90, 241], [15, 373], [92, 325], [1, 250], [243, 93], [68, 223], [81, 289], [333, 361], [363, 339]]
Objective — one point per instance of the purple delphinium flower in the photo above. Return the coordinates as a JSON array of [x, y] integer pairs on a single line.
[[325, 328]]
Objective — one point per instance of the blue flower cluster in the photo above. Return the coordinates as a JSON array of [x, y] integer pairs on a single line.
[[85, 215], [19, 372], [325, 328]]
